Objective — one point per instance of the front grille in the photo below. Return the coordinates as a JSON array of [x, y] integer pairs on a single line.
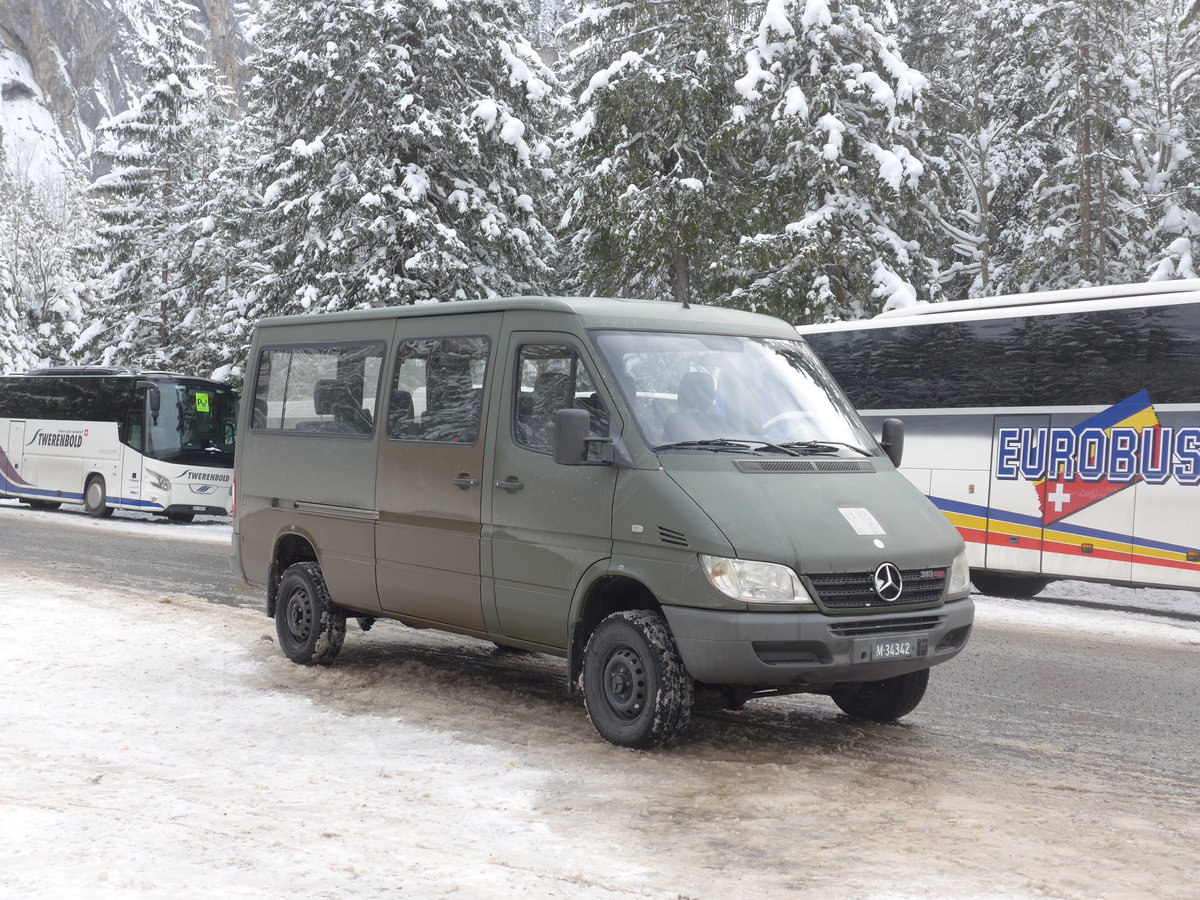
[[856, 590], [874, 626]]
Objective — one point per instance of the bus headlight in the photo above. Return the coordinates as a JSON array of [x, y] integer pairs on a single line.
[[754, 582], [960, 576], [158, 481]]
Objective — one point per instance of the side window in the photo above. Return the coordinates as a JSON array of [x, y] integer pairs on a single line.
[[437, 389], [317, 389], [551, 377], [987, 362], [1093, 357], [1173, 366]]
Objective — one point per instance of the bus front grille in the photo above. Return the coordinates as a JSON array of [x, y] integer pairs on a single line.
[[856, 590]]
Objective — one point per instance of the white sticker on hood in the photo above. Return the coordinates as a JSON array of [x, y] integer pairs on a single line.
[[861, 520]]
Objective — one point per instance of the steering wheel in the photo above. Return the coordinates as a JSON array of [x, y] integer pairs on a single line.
[[792, 415]]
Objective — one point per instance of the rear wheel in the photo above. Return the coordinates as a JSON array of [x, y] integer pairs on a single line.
[[1017, 587], [94, 497], [635, 687], [883, 701], [181, 518], [310, 626], [43, 504]]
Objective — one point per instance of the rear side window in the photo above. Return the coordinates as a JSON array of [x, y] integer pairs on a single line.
[[318, 389], [437, 389]]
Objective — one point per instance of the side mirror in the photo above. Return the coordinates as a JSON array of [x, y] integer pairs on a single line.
[[571, 427], [892, 441], [154, 393]]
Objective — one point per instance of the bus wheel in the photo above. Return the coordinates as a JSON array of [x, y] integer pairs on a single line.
[[635, 687], [43, 504], [310, 626], [181, 518], [94, 494], [883, 701], [1016, 587]]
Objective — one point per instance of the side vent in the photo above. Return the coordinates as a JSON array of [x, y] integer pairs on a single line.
[[674, 538]]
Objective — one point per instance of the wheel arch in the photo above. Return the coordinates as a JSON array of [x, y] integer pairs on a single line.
[[597, 598], [290, 548]]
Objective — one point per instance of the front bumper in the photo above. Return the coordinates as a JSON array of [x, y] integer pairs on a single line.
[[775, 649], [195, 509]]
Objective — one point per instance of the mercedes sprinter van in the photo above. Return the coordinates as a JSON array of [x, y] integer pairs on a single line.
[[678, 500]]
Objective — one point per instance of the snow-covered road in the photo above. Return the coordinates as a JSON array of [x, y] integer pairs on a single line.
[[158, 746]]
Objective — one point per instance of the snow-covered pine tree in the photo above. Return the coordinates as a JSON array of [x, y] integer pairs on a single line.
[[44, 221], [225, 262], [983, 119], [156, 150], [405, 156], [827, 121], [1165, 135], [15, 352], [1088, 208], [653, 198]]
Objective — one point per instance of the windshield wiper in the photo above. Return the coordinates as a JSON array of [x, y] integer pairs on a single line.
[[824, 447], [719, 445]]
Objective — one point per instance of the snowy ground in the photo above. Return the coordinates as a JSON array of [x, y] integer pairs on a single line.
[[158, 746]]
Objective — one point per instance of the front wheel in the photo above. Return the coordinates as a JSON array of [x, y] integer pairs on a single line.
[[95, 498], [310, 626], [883, 701], [635, 687]]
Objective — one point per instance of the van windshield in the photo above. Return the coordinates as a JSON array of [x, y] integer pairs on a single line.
[[720, 391]]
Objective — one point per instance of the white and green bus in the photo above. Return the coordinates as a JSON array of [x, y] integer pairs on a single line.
[[1059, 431], [115, 438]]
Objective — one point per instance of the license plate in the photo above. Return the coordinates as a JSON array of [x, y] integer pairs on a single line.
[[899, 648]]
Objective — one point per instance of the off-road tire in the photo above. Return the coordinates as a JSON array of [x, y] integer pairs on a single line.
[[309, 625], [635, 687], [95, 495], [883, 701], [1016, 587]]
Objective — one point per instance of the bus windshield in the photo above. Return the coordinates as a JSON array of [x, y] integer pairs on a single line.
[[194, 425], [696, 389]]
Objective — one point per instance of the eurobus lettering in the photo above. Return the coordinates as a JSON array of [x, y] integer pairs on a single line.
[[1028, 422], [1155, 455]]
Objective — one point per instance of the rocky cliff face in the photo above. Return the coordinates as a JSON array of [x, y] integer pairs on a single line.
[[65, 65]]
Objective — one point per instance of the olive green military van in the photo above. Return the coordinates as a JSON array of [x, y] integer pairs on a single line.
[[680, 501]]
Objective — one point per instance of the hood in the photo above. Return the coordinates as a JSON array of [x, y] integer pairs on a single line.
[[817, 514]]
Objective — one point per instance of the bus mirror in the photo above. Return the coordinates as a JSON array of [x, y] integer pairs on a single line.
[[893, 440], [571, 428], [155, 396]]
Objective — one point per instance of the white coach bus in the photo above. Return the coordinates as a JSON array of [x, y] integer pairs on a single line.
[[1059, 432], [113, 438]]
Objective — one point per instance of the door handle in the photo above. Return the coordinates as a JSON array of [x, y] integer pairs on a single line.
[[511, 485], [465, 481]]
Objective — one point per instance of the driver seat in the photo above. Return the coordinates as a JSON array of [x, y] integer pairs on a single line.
[[695, 420]]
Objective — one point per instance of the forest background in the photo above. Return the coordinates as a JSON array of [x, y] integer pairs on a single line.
[[811, 159]]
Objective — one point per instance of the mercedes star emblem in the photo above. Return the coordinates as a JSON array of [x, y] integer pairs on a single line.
[[888, 583]]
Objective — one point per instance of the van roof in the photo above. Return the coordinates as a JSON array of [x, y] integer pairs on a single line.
[[595, 312]]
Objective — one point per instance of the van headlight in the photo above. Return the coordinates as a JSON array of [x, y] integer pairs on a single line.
[[960, 576], [754, 582], [158, 481]]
